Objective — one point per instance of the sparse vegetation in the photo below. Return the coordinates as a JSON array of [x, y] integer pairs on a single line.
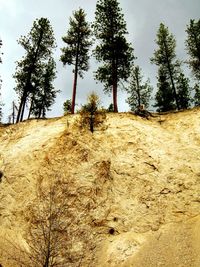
[[91, 115], [67, 106], [91, 175], [74, 195], [52, 230], [110, 108]]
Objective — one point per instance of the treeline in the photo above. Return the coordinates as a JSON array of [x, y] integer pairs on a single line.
[[36, 71]]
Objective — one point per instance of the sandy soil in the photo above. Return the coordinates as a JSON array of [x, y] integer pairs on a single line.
[[138, 177]]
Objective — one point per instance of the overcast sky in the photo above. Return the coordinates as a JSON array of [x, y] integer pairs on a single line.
[[143, 18]]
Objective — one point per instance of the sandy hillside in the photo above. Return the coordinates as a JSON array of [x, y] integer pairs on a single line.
[[135, 184]]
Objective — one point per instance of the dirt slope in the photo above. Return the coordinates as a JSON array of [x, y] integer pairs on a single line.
[[138, 181]]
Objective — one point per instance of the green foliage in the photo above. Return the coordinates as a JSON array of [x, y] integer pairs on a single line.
[[90, 114], [113, 50], [76, 52], [139, 91], [166, 47], [183, 91], [43, 97], [196, 99], [165, 58], [165, 100], [193, 46], [77, 42], [92, 104], [164, 96], [31, 70], [110, 108], [67, 106]]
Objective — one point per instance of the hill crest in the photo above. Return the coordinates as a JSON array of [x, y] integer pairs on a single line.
[[135, 185]]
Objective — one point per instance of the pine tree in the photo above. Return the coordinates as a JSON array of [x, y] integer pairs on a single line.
[[76, 52], [38, 45], [44, 94], [193, 46], [139, 91], [164, 96], [1, 104], [165, 58], [183, 91], [196, 99], [113, 50]]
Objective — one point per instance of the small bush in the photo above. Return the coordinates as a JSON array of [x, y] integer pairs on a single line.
[[67, 106], [90, 114], [110, 108]]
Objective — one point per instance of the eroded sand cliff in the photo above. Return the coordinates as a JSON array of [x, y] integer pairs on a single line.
[[137, 182]]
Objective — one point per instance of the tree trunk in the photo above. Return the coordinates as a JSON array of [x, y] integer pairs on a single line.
[[115, 97], [171, 77], [39, 113], [75, 75], [47, 260], [92, 118], [114, 84], [21, 107], [138, 87], [13, 113], [74, 89], [43, 113], [173, 88], [31, 108], [19, 111]]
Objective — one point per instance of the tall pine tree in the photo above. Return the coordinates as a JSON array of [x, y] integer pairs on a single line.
[[140, 92], [76, 52], [113, 50], [44, 93], [164, 96], [183, 91], [165, 58], [38, 44], [193, 46]]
